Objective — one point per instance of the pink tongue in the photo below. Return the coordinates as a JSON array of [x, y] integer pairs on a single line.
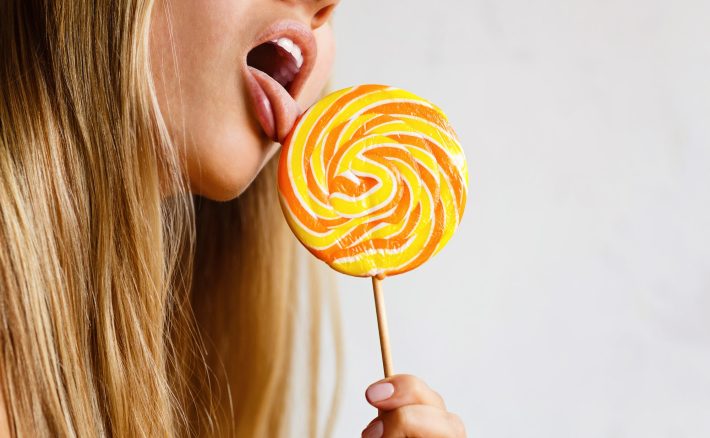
[[285, 109]]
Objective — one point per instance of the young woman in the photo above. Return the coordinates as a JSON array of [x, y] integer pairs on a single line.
[[129, 305]]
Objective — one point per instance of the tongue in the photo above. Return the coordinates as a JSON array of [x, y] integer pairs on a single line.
[[285, 109]]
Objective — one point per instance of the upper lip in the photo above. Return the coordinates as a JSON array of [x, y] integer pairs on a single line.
[[303, 37]]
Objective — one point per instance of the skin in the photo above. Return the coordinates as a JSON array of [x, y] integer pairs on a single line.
[[209, 113], [208, 110], [413, 410]]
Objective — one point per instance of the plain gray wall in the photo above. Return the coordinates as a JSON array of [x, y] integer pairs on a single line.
[[574, 301]]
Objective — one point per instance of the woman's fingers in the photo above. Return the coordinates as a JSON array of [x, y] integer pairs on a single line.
[[409, 408], [402, 390], [416, 421]]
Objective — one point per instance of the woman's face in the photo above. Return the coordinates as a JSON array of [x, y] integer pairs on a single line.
[[231, 78]]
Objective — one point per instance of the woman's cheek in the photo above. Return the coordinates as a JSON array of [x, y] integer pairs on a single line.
[[318, 79]]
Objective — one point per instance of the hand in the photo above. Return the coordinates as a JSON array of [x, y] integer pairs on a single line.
[[409, 408]]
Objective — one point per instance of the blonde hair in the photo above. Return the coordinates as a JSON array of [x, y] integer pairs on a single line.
[[125, 311]]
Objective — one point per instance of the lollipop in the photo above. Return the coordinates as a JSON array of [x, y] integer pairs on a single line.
[[373, 181]]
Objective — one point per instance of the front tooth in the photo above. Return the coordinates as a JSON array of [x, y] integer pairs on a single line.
[[285, 43], [292, 48], [297, 56]]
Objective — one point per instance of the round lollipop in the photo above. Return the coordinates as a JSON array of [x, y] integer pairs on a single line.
[[373, 181]]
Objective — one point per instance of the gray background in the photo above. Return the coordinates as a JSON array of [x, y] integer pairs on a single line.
[[574, 301]]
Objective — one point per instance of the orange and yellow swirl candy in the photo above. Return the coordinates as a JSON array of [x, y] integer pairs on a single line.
[[373, 180]]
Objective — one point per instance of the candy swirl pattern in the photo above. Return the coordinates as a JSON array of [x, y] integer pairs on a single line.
[[373, 180]]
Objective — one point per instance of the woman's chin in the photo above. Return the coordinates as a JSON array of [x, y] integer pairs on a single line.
[[223, 186], [225, 178]]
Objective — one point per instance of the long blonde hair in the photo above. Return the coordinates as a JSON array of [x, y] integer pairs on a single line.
[[125, 311]]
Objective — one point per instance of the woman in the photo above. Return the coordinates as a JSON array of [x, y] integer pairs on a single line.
[[130, 308]]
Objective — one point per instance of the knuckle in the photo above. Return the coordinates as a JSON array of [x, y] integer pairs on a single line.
[[410, 385], [418, 387], [408, 380], [457, 425]]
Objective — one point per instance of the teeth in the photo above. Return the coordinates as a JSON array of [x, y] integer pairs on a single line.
[[292, 48]]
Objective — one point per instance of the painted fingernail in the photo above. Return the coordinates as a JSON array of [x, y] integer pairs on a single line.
[[374, 430], [379, 392]]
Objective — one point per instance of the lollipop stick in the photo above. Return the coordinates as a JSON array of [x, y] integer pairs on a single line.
[[382, 326]]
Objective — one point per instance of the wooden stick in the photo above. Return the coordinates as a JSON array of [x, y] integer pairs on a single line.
[[382, 326]]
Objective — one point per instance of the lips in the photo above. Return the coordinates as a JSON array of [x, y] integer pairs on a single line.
[[275, 70]]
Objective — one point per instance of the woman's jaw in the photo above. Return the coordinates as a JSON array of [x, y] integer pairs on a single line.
[[224, 116]]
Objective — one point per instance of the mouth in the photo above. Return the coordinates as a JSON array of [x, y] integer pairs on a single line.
[[276, 68]]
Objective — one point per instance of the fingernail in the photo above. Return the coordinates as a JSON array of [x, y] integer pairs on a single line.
[[375, 430], [379, 392]]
